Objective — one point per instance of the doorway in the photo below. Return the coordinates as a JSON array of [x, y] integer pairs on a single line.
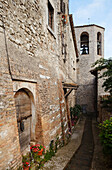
[[23, 113]]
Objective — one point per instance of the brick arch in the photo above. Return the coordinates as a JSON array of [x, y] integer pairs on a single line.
[[29, 88], [25, 111]]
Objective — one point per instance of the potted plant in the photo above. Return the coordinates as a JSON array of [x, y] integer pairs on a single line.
[[26, 165], [37, 149]]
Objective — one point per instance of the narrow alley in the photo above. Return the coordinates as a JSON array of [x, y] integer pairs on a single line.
[[82, 159], [48, 83]]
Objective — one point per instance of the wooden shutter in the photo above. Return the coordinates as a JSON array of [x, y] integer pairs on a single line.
[[61, 6], [63, 44], [50, 16], [65, 52]]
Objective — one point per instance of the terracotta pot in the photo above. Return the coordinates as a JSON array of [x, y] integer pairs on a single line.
[[40, 152], [26, 168]]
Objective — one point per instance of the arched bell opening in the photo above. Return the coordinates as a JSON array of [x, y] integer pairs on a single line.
[[84, 43], [99, 44], [25, 108]]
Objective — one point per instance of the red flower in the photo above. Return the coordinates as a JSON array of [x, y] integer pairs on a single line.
[[27, 163], [37, 148], [37, 145]]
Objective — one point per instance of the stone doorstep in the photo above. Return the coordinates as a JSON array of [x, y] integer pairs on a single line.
[[64, 155]]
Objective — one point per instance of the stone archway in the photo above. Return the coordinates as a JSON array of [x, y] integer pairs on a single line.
[[23, 103]]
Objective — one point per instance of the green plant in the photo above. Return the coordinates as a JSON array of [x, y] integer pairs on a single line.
[[26, 160], [51, 152], [56, 143], [75, 113], [47, 156], [37, 152], [26, 164], [106, 66], [76, 110], [51, 148], [35, 157], [36, 148], [106, 136], [36, 160]]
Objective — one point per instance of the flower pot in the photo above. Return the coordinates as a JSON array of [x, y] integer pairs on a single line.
[[26, 168], [40, 152]]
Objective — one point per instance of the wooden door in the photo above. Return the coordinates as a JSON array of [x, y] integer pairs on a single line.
[[23, 110]]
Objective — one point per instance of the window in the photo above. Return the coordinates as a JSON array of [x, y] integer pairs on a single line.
[[63, 50], [84, 43], [98, 43], [50, 16], [68, 9], [62, 6]]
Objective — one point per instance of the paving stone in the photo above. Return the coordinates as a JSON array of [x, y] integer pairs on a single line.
[[83, 157]]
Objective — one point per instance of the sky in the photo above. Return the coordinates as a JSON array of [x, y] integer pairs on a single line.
[[97, 12]]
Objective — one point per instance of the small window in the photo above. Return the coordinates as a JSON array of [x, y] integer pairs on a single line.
[[65, 51], [84, 43], [62, 6], [98, 43], [63, 44], [68, 8], [64, 48], [50, 16]]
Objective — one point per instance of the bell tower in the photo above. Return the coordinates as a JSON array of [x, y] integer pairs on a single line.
[[90, 43]]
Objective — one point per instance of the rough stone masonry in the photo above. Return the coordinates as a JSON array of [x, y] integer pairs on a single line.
[[37, 54]]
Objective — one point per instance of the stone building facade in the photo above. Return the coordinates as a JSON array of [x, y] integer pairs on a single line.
[[37, 74], [90, 43]]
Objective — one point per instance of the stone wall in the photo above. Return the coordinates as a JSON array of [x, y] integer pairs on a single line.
[[9, 155], [103, 113], [31, 59]]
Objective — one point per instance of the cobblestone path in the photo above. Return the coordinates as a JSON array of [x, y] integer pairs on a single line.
[[83, 157]]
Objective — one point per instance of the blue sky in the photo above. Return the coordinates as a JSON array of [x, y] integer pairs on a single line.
[[99, 12]]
